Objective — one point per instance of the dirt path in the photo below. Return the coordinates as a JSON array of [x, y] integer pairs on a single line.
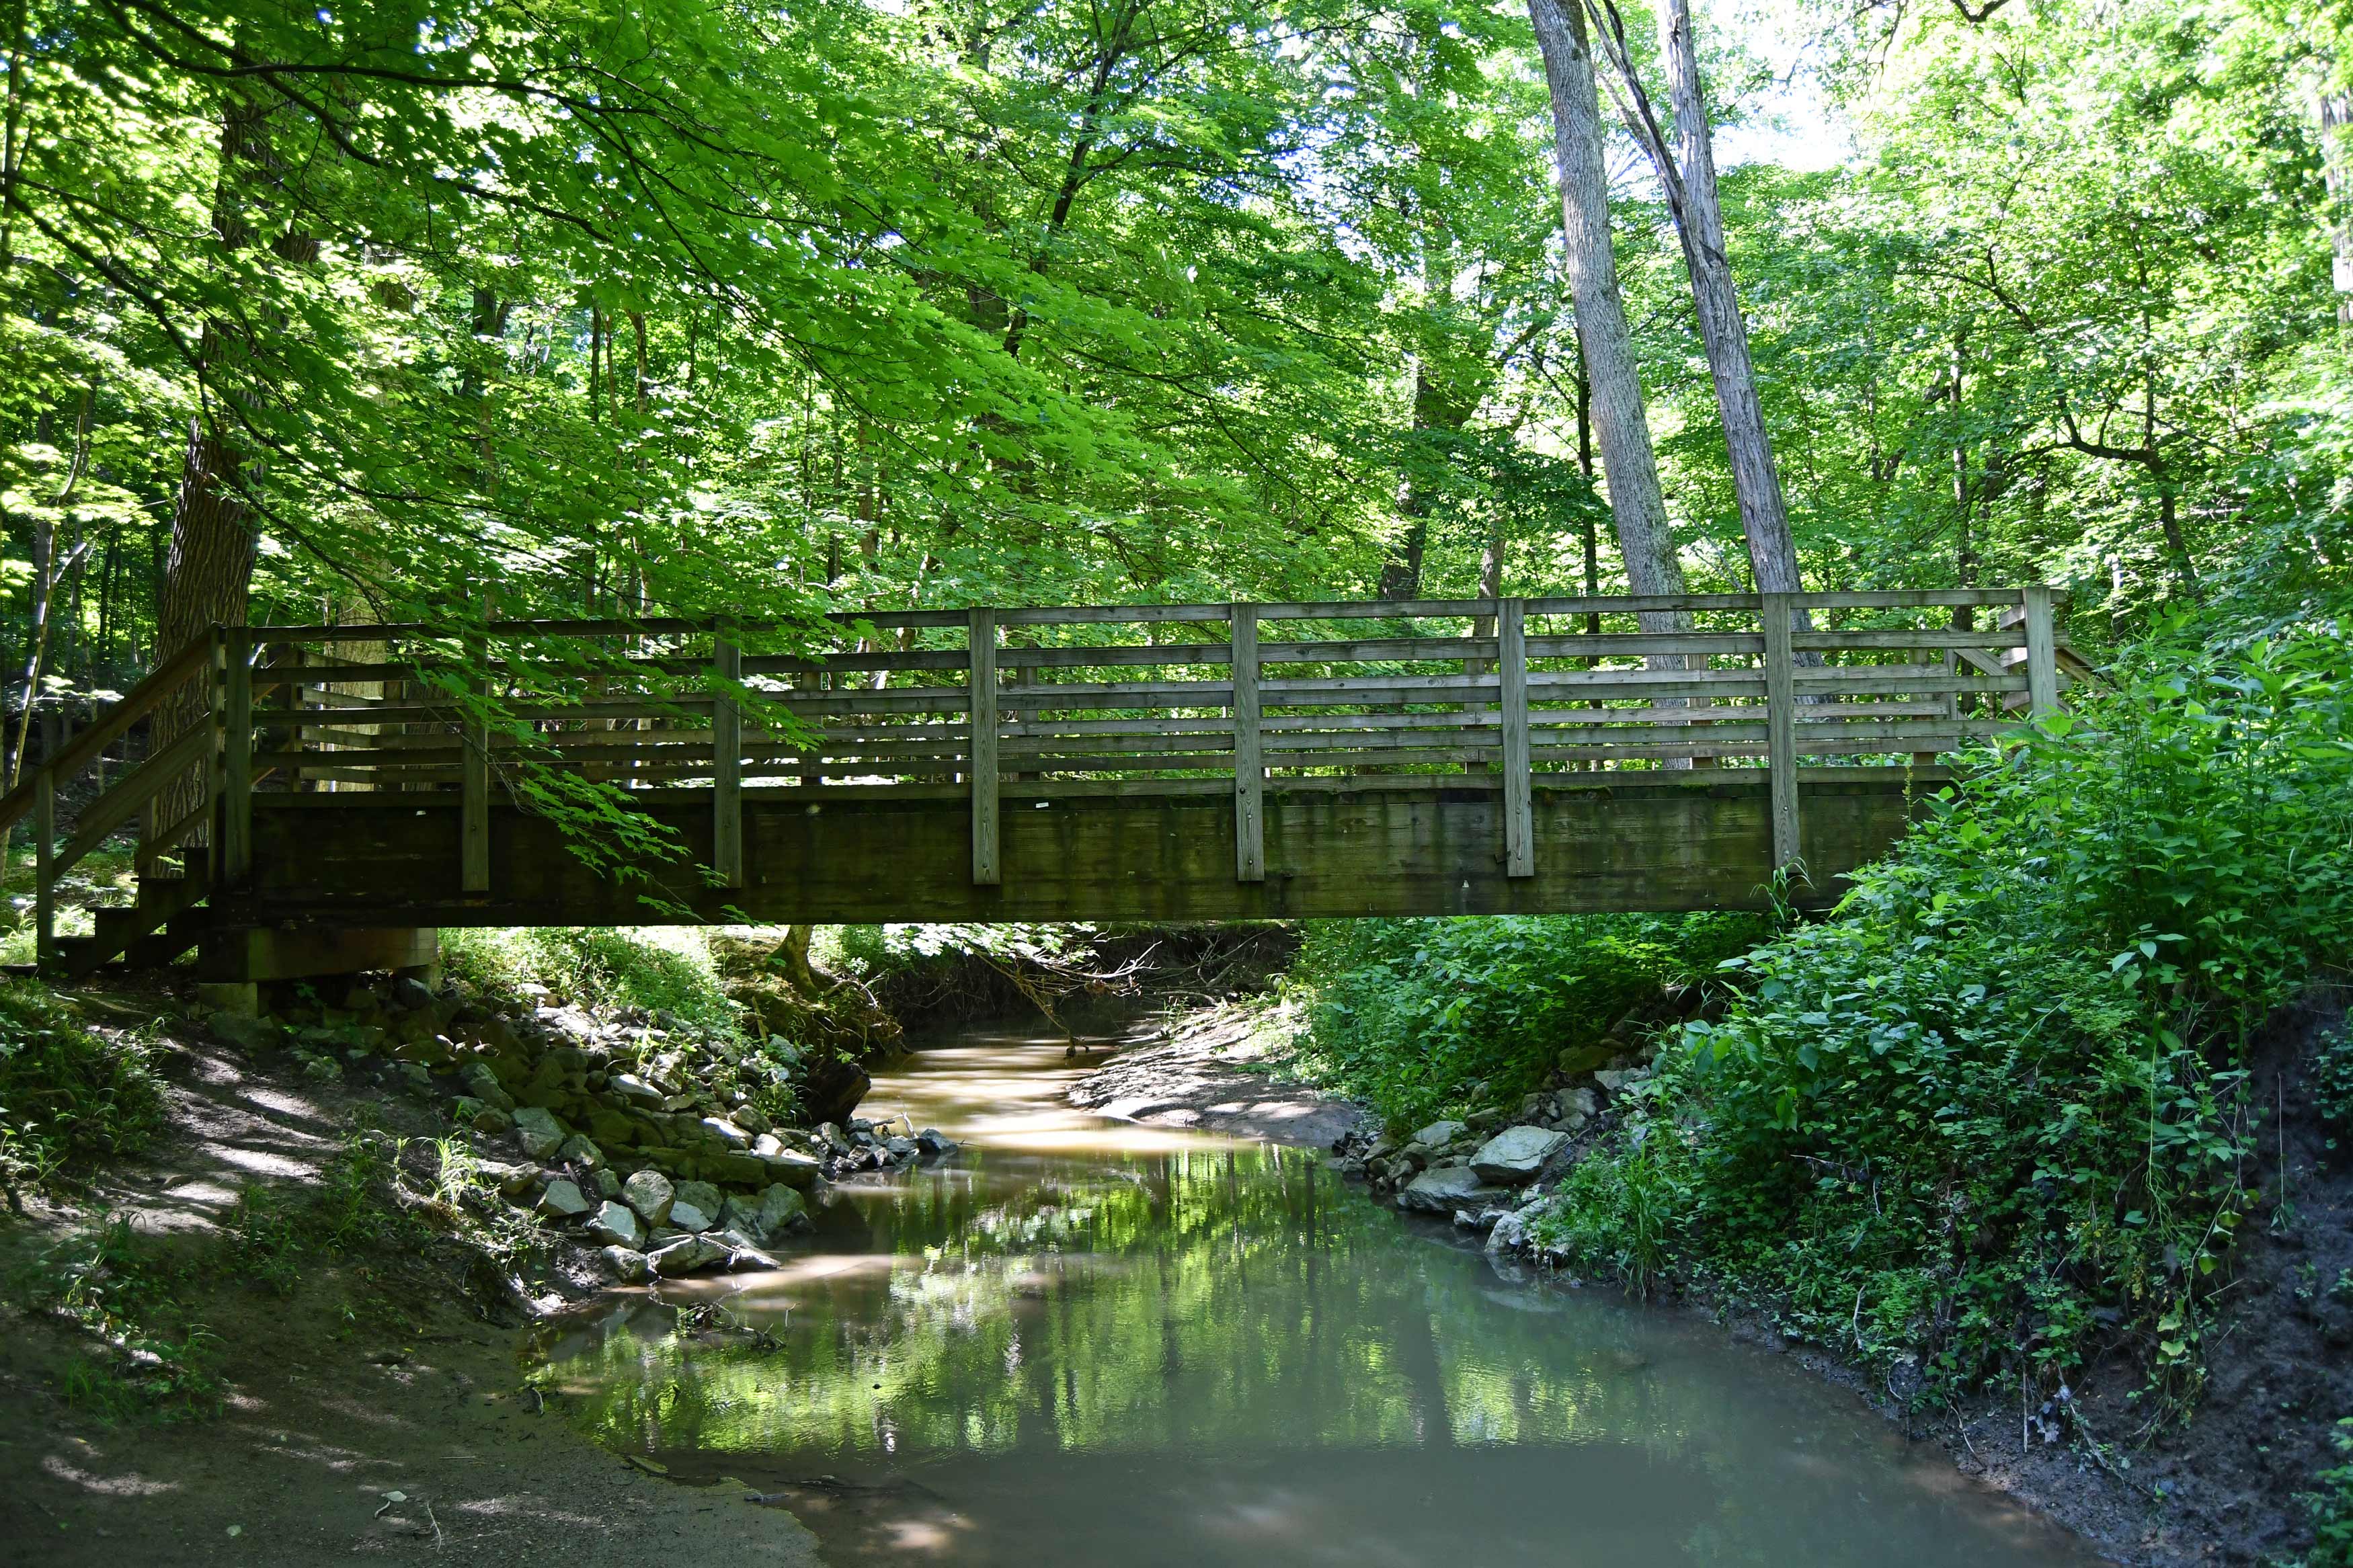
[[371, 1377], [1213, 1076]]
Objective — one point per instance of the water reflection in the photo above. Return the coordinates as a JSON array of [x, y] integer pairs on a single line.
[[1084, 1341]]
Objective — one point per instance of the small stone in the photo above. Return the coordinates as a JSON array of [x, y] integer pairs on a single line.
[[631, 1087], [617, 1224], [629, 1267], [725, 1132], [650, 1193], [541, 1132], [1510, 1235], [578, 1150], [1438, 1134], [899, 1149], [743, 1257], [1516, 1154], [767, 1145], [563, 1199]]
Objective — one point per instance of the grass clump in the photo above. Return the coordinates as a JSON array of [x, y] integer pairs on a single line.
[[1994, 1108], [151, 1359], [65, 1092], [1419, 1018]]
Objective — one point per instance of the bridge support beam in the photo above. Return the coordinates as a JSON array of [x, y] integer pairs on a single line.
[[256, 953]]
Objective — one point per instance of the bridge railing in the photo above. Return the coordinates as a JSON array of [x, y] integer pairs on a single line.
[[1512, 695]]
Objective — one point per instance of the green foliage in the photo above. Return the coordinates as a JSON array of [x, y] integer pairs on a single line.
[[65, 1092], [2332, 1507], [1410, 1015], [2332, 1084], [152, 1360], [654, 968], [275, 1231], [1996, 1099]]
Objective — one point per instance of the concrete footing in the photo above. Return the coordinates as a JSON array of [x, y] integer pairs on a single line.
[[231, 958]]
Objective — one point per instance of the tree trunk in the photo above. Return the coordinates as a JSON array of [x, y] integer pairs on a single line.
[[1772, 552], [2336, 170], [1636, 502], [209, 567]]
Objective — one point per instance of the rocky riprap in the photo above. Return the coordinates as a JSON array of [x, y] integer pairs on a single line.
[[636, 1135], [1491, 1168]]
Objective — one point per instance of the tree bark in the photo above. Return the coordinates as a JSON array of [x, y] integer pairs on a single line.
[[2336, 170], [1627, 463], [1699, 220]]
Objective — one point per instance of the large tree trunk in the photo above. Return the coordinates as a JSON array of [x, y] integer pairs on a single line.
[[1620, 430], [210, 567], [1772, 552]]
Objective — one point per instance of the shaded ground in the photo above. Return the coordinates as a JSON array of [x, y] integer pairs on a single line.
[[389, 1372], [1213, 1075]]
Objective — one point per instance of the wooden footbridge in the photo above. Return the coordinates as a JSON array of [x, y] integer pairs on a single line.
[[1151, 763]]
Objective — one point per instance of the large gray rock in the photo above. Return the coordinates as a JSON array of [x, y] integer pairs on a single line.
[[1438, 1134], [1515, 1154], [1510, 1235], [578, 1150], [692, 1217], [650, 1193], [702, 1195], [542, 1133], [561, 1200], [244, 1031], [617, 1224], [744, 1256], [781, 1208], [624, 1264], [688, 1255], [794, 1169], [486, 1088], [935, 1144], [719, 1131], [1447, 1188]]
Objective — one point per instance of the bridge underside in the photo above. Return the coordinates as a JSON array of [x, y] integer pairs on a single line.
[[1657, 841]]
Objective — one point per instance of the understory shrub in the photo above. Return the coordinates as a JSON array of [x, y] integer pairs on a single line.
[[667, 968], [1410, 1015], [65, 1092], [1992, 1108]]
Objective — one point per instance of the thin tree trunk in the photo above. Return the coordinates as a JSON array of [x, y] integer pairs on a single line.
[[1772, 551], [2337, 171], [1636, 502]]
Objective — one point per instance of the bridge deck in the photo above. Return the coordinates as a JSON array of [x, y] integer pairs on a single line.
[[1150, 761]]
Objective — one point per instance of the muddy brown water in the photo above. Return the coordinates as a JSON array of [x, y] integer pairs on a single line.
[[1087, 1341]]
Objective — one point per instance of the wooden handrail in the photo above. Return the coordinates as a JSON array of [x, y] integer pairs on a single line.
[[83, 749]]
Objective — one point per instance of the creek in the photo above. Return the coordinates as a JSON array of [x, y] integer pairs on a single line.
[[1082, 1342]]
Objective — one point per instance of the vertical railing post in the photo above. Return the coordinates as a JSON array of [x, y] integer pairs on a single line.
[[2041, 652], [1781, 724], [982, 700], [1250, 754], [474, 773], [236, 756], [45, 888], [1519, 803], [217, 679], [726, 760]]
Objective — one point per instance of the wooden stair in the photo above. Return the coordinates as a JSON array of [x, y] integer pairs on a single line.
[[167, 920]]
